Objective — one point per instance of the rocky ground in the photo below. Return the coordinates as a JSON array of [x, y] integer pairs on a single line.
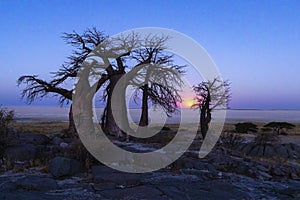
[[36, 166]]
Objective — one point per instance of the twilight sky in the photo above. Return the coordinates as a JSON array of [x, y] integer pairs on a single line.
[[255, 44]]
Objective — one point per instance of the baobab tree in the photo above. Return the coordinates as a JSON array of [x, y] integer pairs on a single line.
[[88, 44], [37, 88], [210, 95], [108, 59], [161, 78], [150, 68]]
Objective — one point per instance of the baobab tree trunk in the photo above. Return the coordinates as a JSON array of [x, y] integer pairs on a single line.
[[81, 109], [205, 118], [110, 125], [144, 121], [71, 132]]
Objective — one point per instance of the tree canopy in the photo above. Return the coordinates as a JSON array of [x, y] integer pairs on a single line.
[[211, 94], [279, 126], [246, 127], [144, 61]]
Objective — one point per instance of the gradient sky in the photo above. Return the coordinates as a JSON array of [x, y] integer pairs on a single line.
[[255, 44]]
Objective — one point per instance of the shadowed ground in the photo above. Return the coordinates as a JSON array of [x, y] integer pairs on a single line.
[[58, 168]]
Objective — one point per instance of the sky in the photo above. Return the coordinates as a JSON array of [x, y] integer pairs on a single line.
[[255, 44]]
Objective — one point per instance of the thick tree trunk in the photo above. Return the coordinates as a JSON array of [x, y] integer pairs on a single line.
[[71, 132], [82, 112], [103, 118], [83, 115], [203, 125], [144, 120], [111, 126], [205, 118]]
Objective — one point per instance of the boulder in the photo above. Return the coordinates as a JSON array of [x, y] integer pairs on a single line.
[[254, 151], [241, 169], [247, 148], [294, 150], [199, 165], [264, 175], [54, 135], [284, 151], [281, 151], [62, 166], [179, 164], [188, 164], [240, 147], [262, 168], [269, 151], [63, 145], [211, 168], [34, 138], [279, 172], [295, 176], [68, 140], [57, 140], [22, 152]]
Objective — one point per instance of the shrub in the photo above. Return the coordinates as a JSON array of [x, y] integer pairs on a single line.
[[6, 117], [165, 128], [231, 140], [266, 137], [245, 127]]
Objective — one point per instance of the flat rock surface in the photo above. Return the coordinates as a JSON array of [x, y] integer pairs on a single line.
[[220, 175], [36, 183], [163, 184]]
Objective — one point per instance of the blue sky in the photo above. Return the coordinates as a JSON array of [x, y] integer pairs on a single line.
[[255, 44]]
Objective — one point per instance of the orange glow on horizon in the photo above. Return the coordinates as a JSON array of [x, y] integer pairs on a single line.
[[188, 103]]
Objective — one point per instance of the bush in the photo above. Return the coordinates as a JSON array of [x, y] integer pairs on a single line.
[[266, 137], [231, 140], [165, 128], [6, 117], [245, 127]]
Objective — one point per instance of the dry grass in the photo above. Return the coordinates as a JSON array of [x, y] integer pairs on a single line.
[[295, 131], [229, 127], [42, 127], [47, 127]]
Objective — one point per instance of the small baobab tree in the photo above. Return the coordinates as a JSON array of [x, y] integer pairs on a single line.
[[210, 95]]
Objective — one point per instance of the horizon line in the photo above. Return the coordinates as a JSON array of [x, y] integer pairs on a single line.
[[4, 106]]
